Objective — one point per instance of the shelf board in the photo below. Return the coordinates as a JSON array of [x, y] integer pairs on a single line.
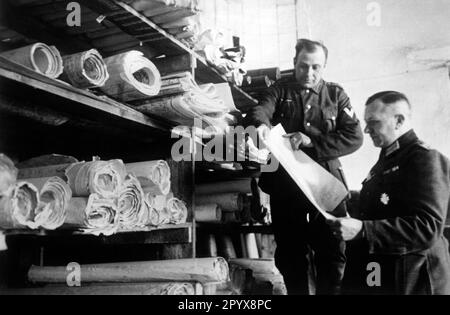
[[12, 72], [122, 29], [166, 234], [204, 73], [234, 228]]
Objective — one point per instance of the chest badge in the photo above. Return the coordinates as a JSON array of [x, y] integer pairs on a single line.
[[385, 199]]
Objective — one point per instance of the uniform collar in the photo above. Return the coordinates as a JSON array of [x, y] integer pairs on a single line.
[[401, 142], [318, 87], [315, 89]]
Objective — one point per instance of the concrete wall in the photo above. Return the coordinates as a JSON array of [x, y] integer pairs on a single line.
[[367, 59], [365, 56]]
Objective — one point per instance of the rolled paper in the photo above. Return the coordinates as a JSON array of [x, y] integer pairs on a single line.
[[228, 202], [54, 195], [178, 211], [182, 82], [95, 215], [258, 266], [132, 77], [115, 289], [8, 175], [18, 210], [179, 289], [38, 57], [200, 269], [154, 176], [159, 217], [238, 185], [252, 248], [184, 108], [131, 204], [85, 70], [97, 177], [157, 202], [208, 213]]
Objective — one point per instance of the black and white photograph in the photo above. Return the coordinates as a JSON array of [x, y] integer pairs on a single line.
[[233, 152]]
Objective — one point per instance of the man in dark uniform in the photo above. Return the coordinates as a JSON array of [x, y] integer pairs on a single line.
[[403, 208], [319, 120]]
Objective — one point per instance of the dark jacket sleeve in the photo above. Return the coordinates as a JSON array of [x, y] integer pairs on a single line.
[[347, 136], [426, 191], [262, 114]]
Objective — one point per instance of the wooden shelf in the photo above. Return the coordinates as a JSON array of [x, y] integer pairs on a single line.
[[121, 29], [234, 228], [167, 234], [80, 101]]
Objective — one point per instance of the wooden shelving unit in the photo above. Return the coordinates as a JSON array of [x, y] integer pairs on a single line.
[[39, 115], [166, 234]]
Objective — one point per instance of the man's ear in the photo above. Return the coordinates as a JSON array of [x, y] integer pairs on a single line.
[[400, 120]]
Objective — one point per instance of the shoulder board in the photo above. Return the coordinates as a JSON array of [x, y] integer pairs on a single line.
[[332, 84], [285, 81], [424, 146]]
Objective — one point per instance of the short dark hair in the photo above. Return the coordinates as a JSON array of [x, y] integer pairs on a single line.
[[388, 98], [310, 46]]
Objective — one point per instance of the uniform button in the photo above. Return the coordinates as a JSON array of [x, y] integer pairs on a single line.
[[307, 91], [308, 124], [309, 106]]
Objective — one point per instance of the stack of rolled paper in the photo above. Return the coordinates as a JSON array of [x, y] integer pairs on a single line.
[[31, 203], [99, 197], [161, 206], [178, 17], [230, 62], [184, 102]]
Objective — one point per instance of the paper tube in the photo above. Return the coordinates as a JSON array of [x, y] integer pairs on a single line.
[[258, 266], [38, 57], [94, 214], [239, 185], [159, 217], [97, 177], [114, 289], [229, 202], [252, 248], [157, 212], [132, 77], [182, 82], [131, 204], [8, 175], [154, 176], [226, 247], [18, 210], [208, 213], [183, 109], [201, 270], [85, 70], [54, 195], [178, 211]]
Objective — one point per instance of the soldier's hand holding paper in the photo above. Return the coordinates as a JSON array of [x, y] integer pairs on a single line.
[[346, 229], [299, 140]]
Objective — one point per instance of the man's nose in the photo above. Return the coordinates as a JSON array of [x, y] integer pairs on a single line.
[[367, 129], [310, 71]]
